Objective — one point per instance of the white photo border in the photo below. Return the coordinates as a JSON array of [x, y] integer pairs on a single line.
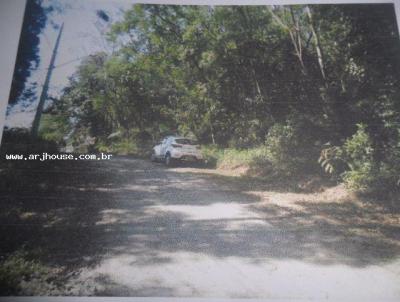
[[11, 18]]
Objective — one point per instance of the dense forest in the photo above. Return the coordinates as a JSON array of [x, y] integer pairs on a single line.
[[294, 89]]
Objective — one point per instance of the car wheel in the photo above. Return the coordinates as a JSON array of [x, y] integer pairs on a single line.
[[169, 161]]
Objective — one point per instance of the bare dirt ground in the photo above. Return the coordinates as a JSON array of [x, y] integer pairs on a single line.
[[129, 227]]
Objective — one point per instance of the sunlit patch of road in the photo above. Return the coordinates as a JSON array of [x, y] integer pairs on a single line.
[[178, 232], [184, 274]]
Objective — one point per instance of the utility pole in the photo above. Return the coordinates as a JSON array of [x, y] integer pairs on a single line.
[[43, 95]]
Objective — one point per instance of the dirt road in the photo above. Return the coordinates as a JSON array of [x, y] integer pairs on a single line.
[[129, 227]]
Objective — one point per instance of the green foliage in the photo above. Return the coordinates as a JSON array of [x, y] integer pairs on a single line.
[[331, 159], [359, 169], [361, 179], [122, 147], [283, 80], [211, 155], [133, 142], [290, 148], [366, 174], [358, 149], [281, 142], [233, 158], [54, 128], [358, 152], [17, 268]]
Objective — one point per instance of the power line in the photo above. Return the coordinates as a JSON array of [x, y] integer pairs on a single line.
[[42, 99], [68, 62], [62, 64]]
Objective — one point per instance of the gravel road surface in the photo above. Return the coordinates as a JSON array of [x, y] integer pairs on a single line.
[[129, 227]]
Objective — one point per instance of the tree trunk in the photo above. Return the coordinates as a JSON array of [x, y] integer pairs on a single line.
[[294, 36], [212, 132], [317, 44]]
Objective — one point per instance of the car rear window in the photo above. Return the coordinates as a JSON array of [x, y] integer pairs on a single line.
[[185, 141]]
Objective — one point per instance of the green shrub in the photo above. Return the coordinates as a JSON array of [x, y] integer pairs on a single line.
[[54, 128], [233, 158], [121, 146], [290, 149], [124, 146], [358, 153], [17, 268], [247, 133], [332, 161], [360, 180], [354, 163], [212, 155], [279, 144]]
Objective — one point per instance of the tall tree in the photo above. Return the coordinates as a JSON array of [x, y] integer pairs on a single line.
[[28, 59]]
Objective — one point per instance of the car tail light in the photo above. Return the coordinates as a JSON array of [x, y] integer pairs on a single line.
[[176, 146]]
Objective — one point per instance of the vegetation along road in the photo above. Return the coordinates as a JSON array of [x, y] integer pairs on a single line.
[[132, 227], [293, 106]]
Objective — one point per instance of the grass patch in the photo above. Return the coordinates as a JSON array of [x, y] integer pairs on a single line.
[[255, 159], [137, 144], [233, 158], [262, 161]]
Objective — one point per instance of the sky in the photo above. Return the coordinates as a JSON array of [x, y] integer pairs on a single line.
[[83, 35]]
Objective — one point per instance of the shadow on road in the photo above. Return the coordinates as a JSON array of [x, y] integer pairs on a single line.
[[77, 214]]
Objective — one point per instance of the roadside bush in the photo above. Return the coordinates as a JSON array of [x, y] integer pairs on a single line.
[[54, 128], [248, 133], [121, 146], [332, 161], [232, 158], [355, 162], [136, 145], [16, 268], [212, 155], [290, 149], [358, 153]]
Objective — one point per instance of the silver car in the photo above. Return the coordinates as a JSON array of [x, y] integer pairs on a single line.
[[176, 148]]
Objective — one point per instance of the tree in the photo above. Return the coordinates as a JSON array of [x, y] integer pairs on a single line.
[[231, 75], [28, 59]]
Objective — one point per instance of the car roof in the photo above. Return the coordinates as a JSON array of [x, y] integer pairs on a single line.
[[177, 137]]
